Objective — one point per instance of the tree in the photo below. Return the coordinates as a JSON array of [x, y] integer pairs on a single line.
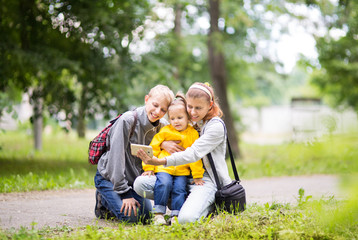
[[68, 54], [103, 60], [338, 55], [30, 56], [218, 71]]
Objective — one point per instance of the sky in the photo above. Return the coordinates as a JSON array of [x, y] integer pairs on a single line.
[[285, 47]]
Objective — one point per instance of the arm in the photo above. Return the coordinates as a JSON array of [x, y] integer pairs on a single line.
[[213, 136], [148, 160], [197, 169], [116, 163], [172, 146], [155, 143]]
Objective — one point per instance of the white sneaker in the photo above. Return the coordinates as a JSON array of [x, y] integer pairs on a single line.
[[159, 220], [173, 220]]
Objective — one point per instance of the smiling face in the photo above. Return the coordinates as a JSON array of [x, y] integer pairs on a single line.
[[156, 107], [197, 108], [178, 117]]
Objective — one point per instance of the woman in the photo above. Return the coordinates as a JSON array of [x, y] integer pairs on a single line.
[[204, 110]]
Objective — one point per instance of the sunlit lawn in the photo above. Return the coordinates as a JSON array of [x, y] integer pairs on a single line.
[[336, 154], [323, 219], [63, 164]]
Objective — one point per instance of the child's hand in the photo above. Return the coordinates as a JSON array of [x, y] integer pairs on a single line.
[[148, 173], [198, 181]]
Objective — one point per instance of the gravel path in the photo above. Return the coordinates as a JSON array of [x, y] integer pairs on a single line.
[[75, 207]]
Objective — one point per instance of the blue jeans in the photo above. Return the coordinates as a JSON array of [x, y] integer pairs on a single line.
[[113, 201], [166, 185], [199, 203]]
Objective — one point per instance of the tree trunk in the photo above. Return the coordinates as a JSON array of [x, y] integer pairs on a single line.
[[177, 20], [178, 46], [37, 118], [218, 73], [81, 125]]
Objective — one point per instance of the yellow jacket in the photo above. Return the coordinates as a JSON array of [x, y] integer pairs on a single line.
[[187, 138]]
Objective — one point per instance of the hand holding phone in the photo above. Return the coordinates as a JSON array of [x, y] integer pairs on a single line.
[[147, 149]]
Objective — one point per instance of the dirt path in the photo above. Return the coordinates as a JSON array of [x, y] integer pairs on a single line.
[[75, 207]]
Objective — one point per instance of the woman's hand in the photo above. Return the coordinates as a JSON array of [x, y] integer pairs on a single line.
[[172, 146], [148, 173], [198, 181], [150, 160], [128, 205]]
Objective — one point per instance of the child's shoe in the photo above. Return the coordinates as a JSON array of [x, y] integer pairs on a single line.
[[159, 220], [173, 220]]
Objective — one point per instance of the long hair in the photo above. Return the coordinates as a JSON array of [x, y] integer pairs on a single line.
[[215, 110]]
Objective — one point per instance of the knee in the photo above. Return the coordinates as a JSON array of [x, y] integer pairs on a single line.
[[186, 217], [144, 185], [138, 186]]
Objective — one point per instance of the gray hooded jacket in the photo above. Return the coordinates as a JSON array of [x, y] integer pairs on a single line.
[[118, 165]]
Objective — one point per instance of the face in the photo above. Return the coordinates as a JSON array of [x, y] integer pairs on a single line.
[[178, 117], [156, 107], [197, 108]]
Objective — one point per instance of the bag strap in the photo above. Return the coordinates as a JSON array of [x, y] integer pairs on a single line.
[[135, 123], [214, 170], [133, 126], [233, 165], [232, 160]]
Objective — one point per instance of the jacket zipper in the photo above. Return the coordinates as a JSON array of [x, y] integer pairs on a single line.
[[152, 129]]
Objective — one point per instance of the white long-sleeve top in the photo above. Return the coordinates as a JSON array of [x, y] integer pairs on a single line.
[[212, 140]]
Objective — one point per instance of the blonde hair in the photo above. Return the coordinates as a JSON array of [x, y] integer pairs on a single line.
[[179, 100], [162, 91], [196, 91]]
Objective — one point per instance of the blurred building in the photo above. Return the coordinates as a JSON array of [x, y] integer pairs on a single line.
[[304, 120]]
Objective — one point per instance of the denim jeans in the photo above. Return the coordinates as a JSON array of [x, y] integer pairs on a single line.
[[167, 185], [198, 204], [113, 202]]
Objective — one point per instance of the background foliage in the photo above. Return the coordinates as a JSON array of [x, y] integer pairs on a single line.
[[93, 60]]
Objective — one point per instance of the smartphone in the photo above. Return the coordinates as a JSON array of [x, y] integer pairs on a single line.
[[146, 148]]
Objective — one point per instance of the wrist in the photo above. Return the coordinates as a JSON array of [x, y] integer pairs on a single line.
[[165, 161]]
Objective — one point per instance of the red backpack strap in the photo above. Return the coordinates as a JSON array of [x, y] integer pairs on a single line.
[[98, 145], [134, 124]]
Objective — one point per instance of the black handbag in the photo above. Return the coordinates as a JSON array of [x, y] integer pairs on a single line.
[[231, 197]]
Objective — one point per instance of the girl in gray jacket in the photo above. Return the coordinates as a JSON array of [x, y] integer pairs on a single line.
[[204, 110], [117, 168]]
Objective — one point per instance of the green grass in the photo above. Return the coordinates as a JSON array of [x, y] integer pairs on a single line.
[[323, 219], [330, 155], [61, 164], [63, 161]]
